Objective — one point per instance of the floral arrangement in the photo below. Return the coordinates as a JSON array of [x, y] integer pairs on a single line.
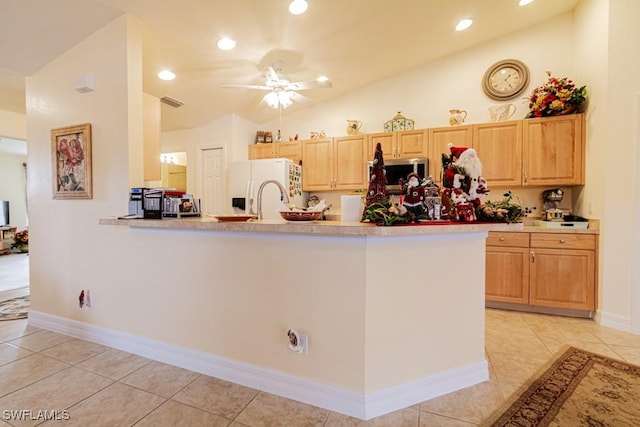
[[556, 97], [506, 210], [21, 238]]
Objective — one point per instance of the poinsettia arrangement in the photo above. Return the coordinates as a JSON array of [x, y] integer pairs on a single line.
[[557, 96]]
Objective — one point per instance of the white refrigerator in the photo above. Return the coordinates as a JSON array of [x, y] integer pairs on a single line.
[[245, 177]]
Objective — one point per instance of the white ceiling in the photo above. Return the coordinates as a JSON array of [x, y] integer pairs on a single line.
[[354, 42]]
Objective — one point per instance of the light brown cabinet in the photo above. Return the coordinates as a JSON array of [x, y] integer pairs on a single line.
[[399, 145], [289, 150], [554, 150], [499, 147], [334, 164], [439, 138], [541, 270]]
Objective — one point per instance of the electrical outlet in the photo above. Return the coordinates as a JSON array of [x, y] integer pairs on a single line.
[[298, 342], [304, 343]]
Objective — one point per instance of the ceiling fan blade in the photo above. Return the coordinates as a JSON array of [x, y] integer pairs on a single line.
[[270, 73], [313, 84], [259, 87], [300, 99]]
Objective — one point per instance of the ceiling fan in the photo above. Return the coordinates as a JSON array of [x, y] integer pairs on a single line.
[[283, 92]]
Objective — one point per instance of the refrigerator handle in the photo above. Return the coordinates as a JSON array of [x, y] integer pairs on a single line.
[[249, 197]]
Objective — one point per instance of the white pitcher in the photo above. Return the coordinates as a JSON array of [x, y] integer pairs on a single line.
[[353, 127], [456, 117], [499, 113]]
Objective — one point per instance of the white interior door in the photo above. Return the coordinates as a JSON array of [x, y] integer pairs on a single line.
[[212, 181]]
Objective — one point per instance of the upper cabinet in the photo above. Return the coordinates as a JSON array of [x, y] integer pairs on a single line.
[[334, 164], [439, 138], [399, 145], [554, 150], [499, 147], [289, 150]]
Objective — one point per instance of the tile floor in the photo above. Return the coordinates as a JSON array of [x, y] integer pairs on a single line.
[[99, 386]]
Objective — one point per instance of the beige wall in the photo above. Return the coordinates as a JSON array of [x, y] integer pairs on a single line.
[[13, 125], [68, 250]]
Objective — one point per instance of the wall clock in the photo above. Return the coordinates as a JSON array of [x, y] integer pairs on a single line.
[[505, 79]]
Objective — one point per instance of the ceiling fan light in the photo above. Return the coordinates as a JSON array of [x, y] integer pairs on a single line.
[[226, 43], [271, 99], [524, 2], [285, 99], [322, 79], [298, 7]]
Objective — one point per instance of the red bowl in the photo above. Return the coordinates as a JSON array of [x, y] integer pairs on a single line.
[[301, 215]]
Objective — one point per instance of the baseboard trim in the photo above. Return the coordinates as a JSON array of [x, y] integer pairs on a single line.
[[363, 406], [14, 293], [614, 321]]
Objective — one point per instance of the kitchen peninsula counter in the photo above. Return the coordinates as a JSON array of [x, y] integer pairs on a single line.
[[314, 227], [394, 315]]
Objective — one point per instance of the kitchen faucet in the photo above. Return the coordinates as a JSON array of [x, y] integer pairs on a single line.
[[283, 194]]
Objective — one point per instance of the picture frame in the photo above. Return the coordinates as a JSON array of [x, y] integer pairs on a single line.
[[71, 162]]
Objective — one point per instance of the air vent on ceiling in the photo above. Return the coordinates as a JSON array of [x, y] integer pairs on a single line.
[[170, 101]]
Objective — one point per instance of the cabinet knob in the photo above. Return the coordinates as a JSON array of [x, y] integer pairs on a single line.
[[533, 256], [502, 239], [563, 241], [525, 177]]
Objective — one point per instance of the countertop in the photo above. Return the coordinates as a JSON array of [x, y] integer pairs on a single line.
[[314, 227]]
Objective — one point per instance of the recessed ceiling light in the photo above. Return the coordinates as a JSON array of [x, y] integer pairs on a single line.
[[298, 7], [323, 79], [525, 2], [464, 24], [226, 43], [166, 75]]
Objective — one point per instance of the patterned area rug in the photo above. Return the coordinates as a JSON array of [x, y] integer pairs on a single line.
[[578, 389], [16, 308]]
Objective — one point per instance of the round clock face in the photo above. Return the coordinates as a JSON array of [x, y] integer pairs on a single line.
[[505, 79]]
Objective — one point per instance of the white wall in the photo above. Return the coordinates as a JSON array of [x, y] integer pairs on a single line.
[[13, 188]]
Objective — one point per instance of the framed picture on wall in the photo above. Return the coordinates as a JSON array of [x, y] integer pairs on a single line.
[[71, 152]]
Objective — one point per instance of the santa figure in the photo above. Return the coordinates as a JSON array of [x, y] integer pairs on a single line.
[[413, 195], [465, 173]]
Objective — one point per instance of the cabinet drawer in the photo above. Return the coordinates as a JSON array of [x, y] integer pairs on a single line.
[[563, 241], [502, 238]]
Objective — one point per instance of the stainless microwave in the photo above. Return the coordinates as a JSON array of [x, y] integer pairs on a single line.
[[398, 169]]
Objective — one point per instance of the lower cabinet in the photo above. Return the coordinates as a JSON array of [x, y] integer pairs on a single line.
[[544, 270]]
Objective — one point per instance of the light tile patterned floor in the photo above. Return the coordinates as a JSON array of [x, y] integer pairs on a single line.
[[100, 386]]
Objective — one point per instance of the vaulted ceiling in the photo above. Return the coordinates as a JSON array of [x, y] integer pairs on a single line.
[[353, 42]]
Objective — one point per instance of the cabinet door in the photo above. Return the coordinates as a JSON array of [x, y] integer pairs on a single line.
[[562, 278], [554, 150], [412, 143], [349, 163], [261, 151], [387, 142], [289, 150], [507, 274], [317, 164], [459, 136], [499, 147]]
